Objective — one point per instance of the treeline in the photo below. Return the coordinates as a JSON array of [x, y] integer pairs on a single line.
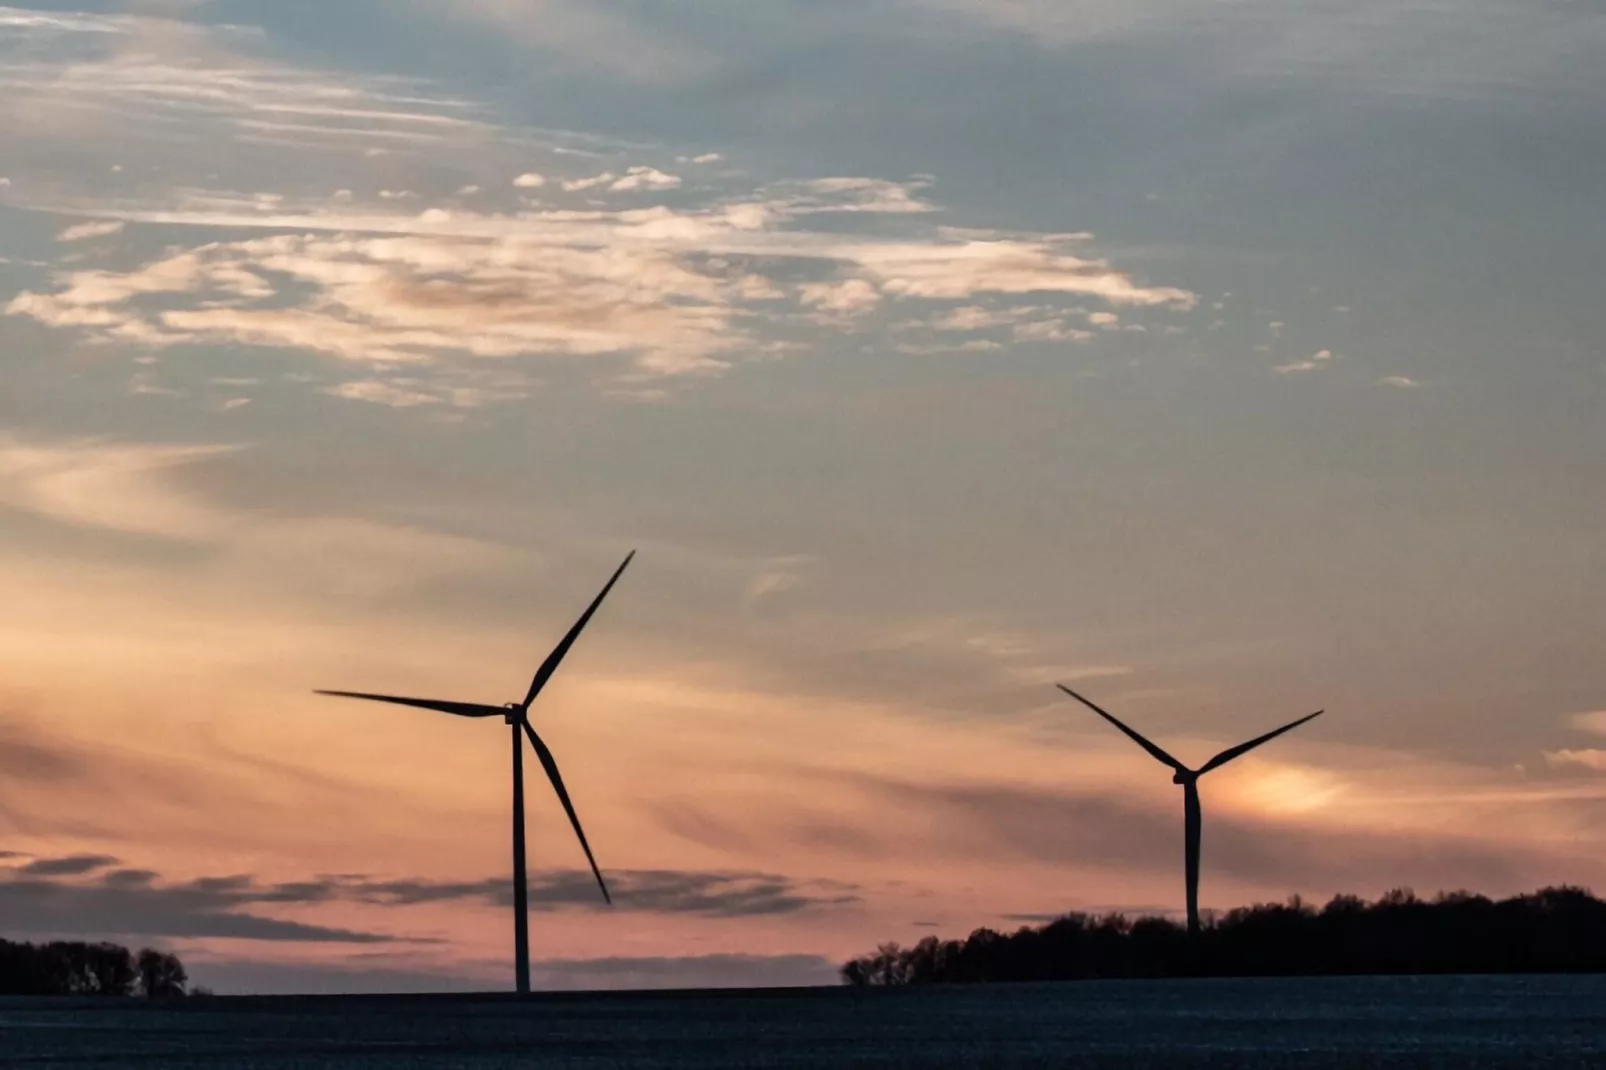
[[66, 968], [1555, 930]]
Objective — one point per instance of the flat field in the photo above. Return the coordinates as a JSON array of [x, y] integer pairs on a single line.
[[1528, 1022]]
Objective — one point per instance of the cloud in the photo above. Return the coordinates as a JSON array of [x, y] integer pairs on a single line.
[[397, 394], [1103, 319], [851, 297], [126, 903], [81, 894], [1593, 722], [1400, 381], [974, 345], [959, 269], [576, 185], [1319, 360], [147, 490], [853, 194], [97, 483], [379, 275], [1587, 759], [715, 893], [645, 178], [70, 866], [671, 291], [778, 576], [1050, 331], [409, 300], [973, 318], [85, 231], [143, 84]]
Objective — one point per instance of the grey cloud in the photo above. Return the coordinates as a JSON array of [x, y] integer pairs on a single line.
[[69, 895], [732, 893], [718, 893], [52, 897], [130, 878], [70, 866]]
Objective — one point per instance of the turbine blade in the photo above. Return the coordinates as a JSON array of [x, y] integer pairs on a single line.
[[461, 709], [550, 665], [550, 764], [1136, 738], [1243, 748]]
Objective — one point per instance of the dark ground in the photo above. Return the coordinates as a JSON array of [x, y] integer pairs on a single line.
[[1528, 1022]]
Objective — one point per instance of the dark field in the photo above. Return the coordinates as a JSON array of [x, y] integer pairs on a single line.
[[1528, 1022]]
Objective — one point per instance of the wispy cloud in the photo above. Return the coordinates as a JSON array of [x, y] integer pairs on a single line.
[[148, 490], [642, 177], [142, 83], [1593, 722], [127, 487], [1589, 758], [676, 291], [86, 231], [380, 274], [1320, 360]]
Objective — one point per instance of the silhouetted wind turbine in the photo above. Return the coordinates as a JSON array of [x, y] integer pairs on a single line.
[[1189, 779], [517, 714]]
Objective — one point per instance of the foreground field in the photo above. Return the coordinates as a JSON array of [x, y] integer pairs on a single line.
[[1544, 1021]]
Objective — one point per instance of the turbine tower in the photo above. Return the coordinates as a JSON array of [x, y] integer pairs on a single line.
[[1189, 779], [517, 715]]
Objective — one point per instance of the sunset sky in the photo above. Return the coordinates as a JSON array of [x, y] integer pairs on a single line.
[[1226, 360]]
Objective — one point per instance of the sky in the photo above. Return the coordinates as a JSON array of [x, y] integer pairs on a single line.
[[1225, 360]]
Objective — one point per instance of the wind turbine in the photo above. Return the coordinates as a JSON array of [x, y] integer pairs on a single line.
[[1189, 779], [517, 714]]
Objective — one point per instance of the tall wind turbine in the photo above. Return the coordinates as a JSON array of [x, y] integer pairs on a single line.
[[517, 714], [1189, 779]]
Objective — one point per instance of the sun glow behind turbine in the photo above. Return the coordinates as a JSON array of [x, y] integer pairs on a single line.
[[1193, 814]]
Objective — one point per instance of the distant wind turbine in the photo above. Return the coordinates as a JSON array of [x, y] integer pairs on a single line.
[[1189, 779], [517, 714]]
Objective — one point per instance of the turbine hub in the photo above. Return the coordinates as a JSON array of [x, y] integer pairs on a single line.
[[515, 712]]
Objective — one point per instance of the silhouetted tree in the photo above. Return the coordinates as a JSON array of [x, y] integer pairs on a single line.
[[161, 974], [73, 968], [1560, 929], [111, 970]]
